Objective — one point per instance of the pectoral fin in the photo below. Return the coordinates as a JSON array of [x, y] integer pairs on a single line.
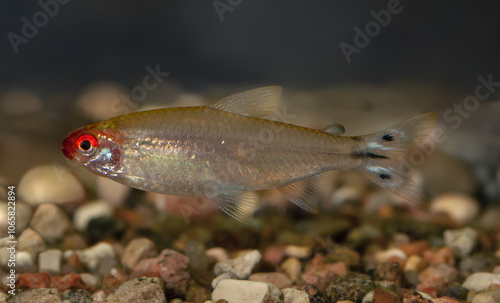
[[305, 192], [335, 129], [259, 102], [240, 205]]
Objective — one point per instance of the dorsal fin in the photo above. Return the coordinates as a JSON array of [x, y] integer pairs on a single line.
[[259, 102], [335, 129], [305, 192]]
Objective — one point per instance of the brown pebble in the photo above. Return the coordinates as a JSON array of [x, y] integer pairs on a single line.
[[381, 295], [110, 283], [221, 301], [414, 248]]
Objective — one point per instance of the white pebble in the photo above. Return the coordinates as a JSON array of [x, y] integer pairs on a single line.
[[385, 255], [240, 267], [242, 291], [217, 253], [481, 281], [368, 298], [51, 184], [50, 222], [460, 207], [462, 241], [50, 261], [292, 295], [100, 258], [89, 279], [299, 252], [91, 210]]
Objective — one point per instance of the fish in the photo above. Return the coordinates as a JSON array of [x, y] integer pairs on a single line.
[[227, 151]]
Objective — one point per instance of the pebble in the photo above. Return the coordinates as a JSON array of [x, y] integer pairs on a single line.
[[292, 267], [462, 241], [25, 261], [274, 254], [68, 281], [460, 207], [31, 241], [457, 292], [481, 281], [441, 272], [319, 273], [221, 277], [89, 280], [414, 248], [389, 271], [76, 296], [112, 192], [481, 261], [171, 266], [50, 261], [33, 280], [40, 295], [99, 296], [381, 295], [50, 222], [23, 214], [413, 266], [387, 255], [100, 258], [280, 280], [217, 253], [442, 255], [240, 291], [292, 295], [197, 293], [136, 250], [99, 100], [353, 286], [19, 102], [240, 267], [299, 252], [51, 184], [139, 290], [89, 211], [487, 297]]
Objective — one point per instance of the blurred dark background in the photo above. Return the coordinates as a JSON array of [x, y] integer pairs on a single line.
[[428, 57], [292, 43]]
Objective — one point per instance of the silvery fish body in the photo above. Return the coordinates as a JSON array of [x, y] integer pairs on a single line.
[[227, 151]]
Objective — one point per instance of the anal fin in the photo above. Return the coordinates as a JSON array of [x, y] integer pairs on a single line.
[[305, 192], [239, 205]]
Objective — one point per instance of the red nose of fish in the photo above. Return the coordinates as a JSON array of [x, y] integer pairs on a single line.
[[67, 147]]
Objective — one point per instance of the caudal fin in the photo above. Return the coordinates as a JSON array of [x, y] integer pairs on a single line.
[[383, 157]]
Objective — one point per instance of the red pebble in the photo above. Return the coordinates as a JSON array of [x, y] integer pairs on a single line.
[[31, 281], [68, 281]]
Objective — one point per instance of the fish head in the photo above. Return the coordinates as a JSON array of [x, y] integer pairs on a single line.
[[97, 148]]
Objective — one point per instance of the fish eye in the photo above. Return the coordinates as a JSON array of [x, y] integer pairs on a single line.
[[86, 144]]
